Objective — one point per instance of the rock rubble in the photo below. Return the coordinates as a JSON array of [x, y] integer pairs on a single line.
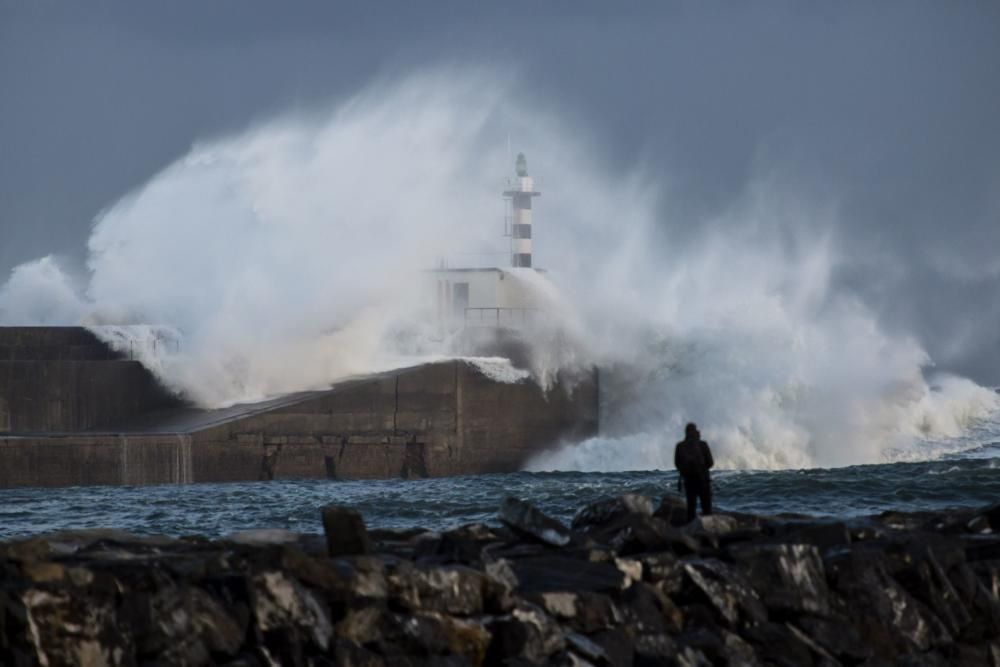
[[628, 583]]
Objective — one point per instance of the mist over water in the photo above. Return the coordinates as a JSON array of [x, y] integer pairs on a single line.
[[290, 255]]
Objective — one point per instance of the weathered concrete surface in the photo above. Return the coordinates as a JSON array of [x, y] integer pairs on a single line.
[[59, 379], [55, 343], [432, 420], [429, 421], [81, 459]]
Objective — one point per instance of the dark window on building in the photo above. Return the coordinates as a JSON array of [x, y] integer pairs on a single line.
[[522, 231], [460, 298], [522, 259]]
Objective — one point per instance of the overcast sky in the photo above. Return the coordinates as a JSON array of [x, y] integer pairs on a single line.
[[892, 110]]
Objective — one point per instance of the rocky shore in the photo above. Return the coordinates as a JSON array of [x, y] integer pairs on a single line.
[[628, 583]]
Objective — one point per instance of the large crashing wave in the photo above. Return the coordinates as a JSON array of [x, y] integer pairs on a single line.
[[289, 255], [743, 333]]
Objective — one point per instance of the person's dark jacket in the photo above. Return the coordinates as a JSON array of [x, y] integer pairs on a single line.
[[693, 458]]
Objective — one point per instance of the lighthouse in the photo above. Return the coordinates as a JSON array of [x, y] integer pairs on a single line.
[[520, 192], [490, 297]]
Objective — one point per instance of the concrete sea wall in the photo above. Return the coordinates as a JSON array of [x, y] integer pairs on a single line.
[[65, 379], [432, 420], [429, 421]]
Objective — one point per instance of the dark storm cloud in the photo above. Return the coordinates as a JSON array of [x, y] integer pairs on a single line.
[[889, 110]]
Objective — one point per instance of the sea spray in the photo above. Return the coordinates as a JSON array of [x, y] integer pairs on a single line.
[[40, 293], [294, 253]]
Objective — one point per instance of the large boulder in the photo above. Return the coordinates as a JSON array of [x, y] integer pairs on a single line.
[[334, 577], [527, 633], [282, 606], [452, 590], [349, 654], [640, 533], [728, 591], [542, 574], [837, 636], [462, 545], [645, 610], [655, 649], [501, 582], [673, 510], [527, 520], [927, 581], [718, 646], [64, 628], [363, 625], [823, 535], [663, 569], [888, 617], [980, 593], [345, 531], [607, 510], [585, 648], [790, 578], [583, 611], [181, 625], [617, 644], [992, 515], [981, 547], [715, 525], [97, 542], [779, 644], [443, 639], [346, 582]]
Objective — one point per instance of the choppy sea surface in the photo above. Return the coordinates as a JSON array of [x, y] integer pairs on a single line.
[[967, 479]]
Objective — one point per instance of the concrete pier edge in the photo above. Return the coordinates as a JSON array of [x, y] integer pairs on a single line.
[[432, 420]]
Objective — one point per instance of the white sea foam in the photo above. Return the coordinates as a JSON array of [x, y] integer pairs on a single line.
[[40, 293], [498, 369], [154, 346], [292, 254]]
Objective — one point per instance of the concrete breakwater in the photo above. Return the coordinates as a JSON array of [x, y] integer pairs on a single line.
[[626, 584], [63, 379], [445, 418]]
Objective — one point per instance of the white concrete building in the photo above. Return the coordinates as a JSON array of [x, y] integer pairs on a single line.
[[487, 297]]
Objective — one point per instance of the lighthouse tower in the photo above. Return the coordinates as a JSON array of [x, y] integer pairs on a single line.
[[520, 192]]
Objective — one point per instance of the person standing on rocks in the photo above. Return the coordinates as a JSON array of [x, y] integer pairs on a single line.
[[693, 459]]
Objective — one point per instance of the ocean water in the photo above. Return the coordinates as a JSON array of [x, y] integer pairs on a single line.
[[740, 323], [967, 479]]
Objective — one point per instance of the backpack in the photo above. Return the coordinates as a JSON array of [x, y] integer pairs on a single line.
[[689, 458]]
